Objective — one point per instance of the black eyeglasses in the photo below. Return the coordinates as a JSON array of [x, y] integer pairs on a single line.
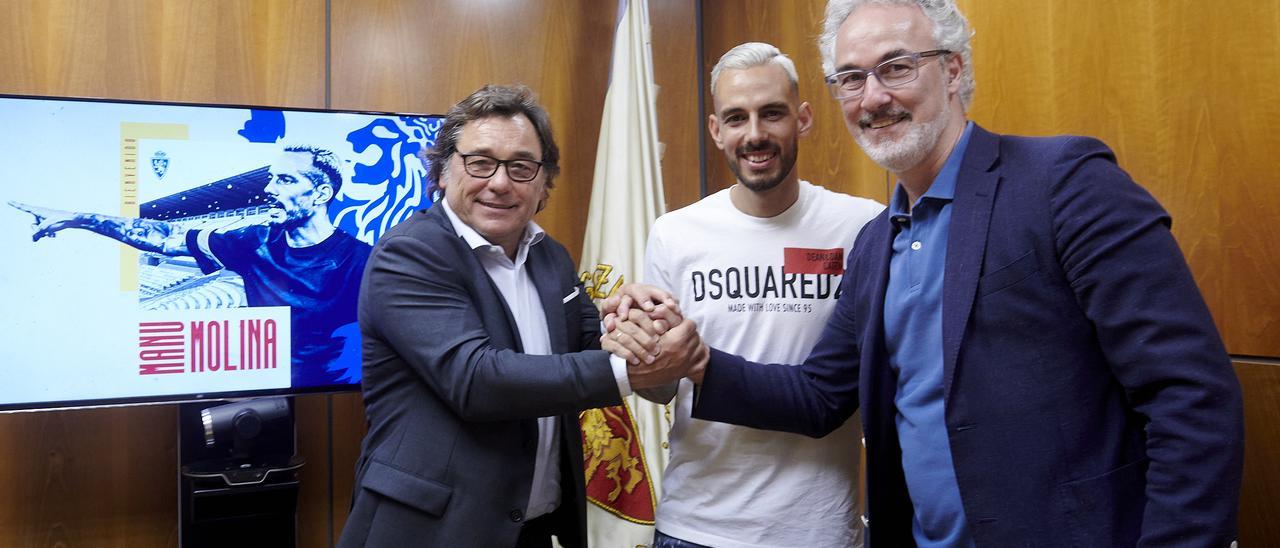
[[849, 84], [483, 167]]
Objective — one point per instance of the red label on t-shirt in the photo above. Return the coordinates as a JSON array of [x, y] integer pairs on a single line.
[[802, 260]]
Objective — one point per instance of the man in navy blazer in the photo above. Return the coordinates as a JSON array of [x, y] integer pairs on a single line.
[[1033, 360], [478, 351]]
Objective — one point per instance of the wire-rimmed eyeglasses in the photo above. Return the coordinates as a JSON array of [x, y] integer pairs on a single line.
[[849, 84], [482, 166]]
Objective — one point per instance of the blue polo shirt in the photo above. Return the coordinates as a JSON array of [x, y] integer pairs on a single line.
[[913, 335]]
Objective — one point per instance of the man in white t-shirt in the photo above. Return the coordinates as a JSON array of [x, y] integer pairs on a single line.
[[758, 267]]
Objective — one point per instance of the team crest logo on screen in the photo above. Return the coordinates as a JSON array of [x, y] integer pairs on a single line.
[[160, 163]]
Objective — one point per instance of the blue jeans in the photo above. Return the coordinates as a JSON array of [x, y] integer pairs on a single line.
[[661, 540]]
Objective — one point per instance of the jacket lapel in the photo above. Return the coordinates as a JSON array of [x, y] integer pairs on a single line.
[[967, 243], [878, 384], [880, 254], [482, 282], [542, 270]]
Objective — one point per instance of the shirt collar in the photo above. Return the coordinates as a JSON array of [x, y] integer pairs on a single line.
[[944, 184], [532, 233]]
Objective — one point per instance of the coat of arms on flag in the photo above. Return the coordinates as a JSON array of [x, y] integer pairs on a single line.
[[617, 478]]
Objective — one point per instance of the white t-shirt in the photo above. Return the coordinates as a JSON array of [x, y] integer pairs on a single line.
[[736, 275]]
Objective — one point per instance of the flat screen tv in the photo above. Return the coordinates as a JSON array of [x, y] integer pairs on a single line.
[[155, 252]]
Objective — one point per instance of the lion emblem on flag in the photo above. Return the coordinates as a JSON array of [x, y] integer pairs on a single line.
[[615, 467]]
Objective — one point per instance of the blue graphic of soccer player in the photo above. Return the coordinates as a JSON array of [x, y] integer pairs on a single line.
[[298, 259]]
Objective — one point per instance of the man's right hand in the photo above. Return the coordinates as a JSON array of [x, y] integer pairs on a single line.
[[635, 338], [47, 221], [656, 359], [654, 300]]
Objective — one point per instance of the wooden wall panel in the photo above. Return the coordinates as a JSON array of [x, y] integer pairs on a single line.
[[675, 67], [1186, 97], [348, 427], [313, 417], [1261, 488], [105, 477], [329, 429], [828, 156], [239, 51], [1228, 122]]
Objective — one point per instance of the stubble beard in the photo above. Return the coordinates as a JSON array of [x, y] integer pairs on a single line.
[[764, 182]]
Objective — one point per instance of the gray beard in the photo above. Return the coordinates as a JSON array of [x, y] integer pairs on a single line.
[[907, 152]]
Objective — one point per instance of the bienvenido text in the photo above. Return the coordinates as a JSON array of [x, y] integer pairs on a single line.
[[206, 346]]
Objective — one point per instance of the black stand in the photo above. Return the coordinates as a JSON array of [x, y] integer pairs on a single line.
[[241, 489]]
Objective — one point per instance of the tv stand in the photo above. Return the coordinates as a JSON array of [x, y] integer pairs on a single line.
[[233, 497]]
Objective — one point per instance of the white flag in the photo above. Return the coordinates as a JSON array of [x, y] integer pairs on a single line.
[[626, 196]]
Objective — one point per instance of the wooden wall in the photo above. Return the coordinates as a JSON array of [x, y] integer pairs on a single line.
[[1186, 96]]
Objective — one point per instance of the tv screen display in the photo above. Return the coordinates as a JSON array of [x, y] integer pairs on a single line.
[[165, 252]]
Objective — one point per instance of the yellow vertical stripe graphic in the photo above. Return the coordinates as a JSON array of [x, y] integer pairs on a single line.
[[130, 133]]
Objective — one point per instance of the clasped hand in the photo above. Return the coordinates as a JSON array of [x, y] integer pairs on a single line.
[[644, 326]]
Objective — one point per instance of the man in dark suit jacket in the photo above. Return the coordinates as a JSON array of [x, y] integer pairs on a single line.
[[1034, 362], [477, 351]]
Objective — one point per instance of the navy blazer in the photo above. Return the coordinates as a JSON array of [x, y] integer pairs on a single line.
[[1089, 399], [451, 403]]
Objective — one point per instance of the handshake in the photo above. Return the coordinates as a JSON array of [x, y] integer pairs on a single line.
[[644, 326]]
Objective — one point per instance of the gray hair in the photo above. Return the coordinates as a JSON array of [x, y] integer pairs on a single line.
[[750, 55], [950, 31]]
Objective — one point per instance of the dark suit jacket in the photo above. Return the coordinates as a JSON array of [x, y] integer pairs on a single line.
[[1089, 399], [452, 405]]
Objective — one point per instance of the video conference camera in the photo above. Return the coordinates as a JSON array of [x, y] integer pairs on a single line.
[[240, 422]]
